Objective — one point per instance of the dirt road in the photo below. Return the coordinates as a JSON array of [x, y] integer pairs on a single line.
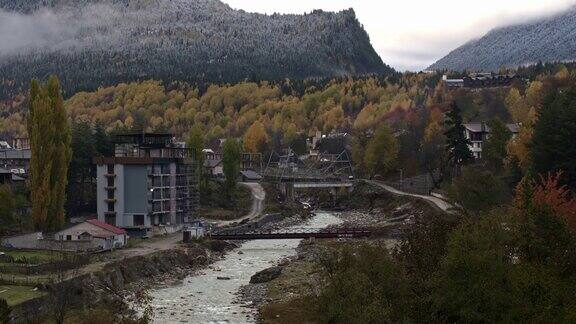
[[258, 195], [442, 204]]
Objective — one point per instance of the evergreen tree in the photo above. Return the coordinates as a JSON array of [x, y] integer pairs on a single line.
[[102, 140], [80, 171], [494, 151], [456, 141], [7, 206], [552, 146], [50, 139], [231, 159]]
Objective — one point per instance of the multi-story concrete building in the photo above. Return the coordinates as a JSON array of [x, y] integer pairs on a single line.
[[478, 133], [150, 183]]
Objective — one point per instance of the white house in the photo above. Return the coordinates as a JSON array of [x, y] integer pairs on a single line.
[[453, 83], [214, 167], [478, 133], [100, 235]]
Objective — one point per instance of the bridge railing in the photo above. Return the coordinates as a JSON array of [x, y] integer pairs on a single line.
[[292, 233]]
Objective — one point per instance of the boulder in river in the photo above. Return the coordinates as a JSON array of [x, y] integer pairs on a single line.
[[266, 275]]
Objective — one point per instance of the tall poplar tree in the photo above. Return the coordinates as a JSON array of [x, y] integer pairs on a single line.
[[195, 143], [50, 138]]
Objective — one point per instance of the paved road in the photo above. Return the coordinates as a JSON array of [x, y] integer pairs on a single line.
[[442, 204]]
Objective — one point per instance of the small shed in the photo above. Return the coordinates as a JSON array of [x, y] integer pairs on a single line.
[[194, 231], [250, 176]]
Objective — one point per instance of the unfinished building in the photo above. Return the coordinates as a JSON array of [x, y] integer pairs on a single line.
[[150, 185]]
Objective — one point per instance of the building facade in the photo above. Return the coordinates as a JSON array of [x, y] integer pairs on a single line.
[[95, 234], [150, 182], [478, 133], [16, 160]]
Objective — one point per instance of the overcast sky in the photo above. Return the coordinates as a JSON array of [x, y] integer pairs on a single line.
[[412, 34]]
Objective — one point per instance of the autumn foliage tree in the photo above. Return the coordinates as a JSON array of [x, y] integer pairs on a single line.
[[50, 139], [433, 155], [548, 193], [381, 152], [256, 139]]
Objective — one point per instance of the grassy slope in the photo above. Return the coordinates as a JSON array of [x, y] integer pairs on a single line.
[[15, 295], [215, 204]]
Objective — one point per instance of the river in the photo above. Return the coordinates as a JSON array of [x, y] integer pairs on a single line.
[[203, 298]]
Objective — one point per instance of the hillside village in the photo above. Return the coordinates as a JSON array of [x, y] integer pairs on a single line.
[[183, 161]]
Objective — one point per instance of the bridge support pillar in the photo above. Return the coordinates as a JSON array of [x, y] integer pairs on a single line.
[[287, 189], [290, 192], [334, 194]]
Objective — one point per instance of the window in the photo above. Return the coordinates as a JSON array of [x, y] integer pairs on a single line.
[[138, 220], [68, 237], [476, 137], [110, 182], [110, 168], [157, 206], [110, 206], [110, 194], [110, 220]]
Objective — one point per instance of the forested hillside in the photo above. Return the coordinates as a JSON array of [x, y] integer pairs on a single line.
[[93, 43], [548, 40], [287, 107]]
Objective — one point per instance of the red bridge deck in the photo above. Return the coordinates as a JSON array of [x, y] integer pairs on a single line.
[[292, 234]]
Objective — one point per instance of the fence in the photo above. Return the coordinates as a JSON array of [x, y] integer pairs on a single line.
[[8, 279], [27, 268]]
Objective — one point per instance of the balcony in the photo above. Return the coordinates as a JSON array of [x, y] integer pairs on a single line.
[[110, 188], [110, 200], [110, 213], [110, 175]]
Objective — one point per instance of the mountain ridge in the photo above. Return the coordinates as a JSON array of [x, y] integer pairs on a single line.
[[93, 43], [548, 39]]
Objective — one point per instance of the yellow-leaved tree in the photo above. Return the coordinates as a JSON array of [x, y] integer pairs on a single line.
[[256, 139]]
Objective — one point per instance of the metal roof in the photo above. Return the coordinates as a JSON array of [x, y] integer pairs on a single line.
[[484, 128], [15, 154], [251, 175]]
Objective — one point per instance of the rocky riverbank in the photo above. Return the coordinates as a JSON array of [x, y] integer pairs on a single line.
[[112, 286], [280, 298]]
